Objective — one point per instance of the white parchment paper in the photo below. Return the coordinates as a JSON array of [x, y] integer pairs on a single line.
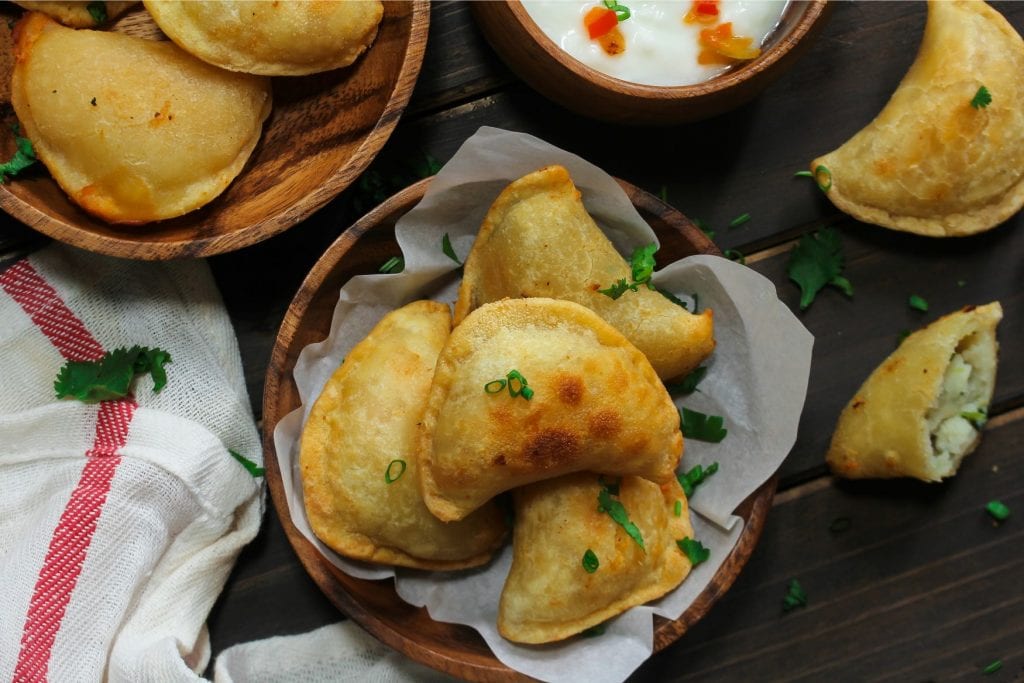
[[757, 379]]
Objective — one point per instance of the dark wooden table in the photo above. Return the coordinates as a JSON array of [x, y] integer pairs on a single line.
[[922, 585]]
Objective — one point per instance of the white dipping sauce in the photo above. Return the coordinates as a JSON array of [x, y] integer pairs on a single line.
[[661, 49]]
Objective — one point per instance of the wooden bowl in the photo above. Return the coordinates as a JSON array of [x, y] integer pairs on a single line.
[[452, 648], [555, 74], [324, 130]]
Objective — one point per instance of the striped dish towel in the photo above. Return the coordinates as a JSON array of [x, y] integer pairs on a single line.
[[119, 521]]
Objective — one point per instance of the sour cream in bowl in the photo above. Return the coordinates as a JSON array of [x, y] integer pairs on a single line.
[[646, 62]]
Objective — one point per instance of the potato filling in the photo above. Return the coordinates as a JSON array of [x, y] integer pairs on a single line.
[[955, 420]]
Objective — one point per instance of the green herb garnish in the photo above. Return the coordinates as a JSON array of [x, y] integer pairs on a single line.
[[110, 377], [642, 264], [803, 174], [997, 510], [590, 562], [621, 11], [428, 166], [982, 98], [795, 597], [671, 297], [697, 425], [446, 247], [840, 525], [694, 550], [618, 289], [98, 11], [823, 177], [993, 667], [703, 228], [494, 386], [390, 476], [395, 264], [977, 418], [516, 383], [917, 303], [594, 631], [688, 384], [816, 261], [24, 156], [735, 255], [615, 510], [678, 510], [739, 220], [695, 477], [251, 467], [903, 335]]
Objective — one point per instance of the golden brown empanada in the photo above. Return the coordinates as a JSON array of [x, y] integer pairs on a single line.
[[271, 38], [78, 13], [930, 162], [140, 131], [596, 404], [538, 240], [548, 594], [364, 427], [920, 412]]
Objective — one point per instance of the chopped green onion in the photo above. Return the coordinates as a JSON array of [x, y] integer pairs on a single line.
[[739, 220], [678, 510], [695, 477], [395, 264], [803, 174], [621, 11], [977, 418], [688, 384], [735, 255], [516, 383], [615, 510], [993, 667], [590, 562], [697, 425], [495, 386], [694, 550], [840, 525], [526, 392], [982, 98], [795, 597], [997, 510], [389, 477], [446, 247], [823, 172], [250, 467], [917, 303]]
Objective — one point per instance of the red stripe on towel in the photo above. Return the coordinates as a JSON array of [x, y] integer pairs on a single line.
[[72, 537]]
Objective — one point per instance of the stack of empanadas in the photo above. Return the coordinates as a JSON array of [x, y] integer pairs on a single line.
[[539, 395]]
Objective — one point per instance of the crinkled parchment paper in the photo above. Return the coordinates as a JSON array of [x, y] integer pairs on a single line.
[[757, 379]]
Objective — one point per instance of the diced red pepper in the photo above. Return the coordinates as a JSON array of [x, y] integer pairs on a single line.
[[703, 11], [599, 21], [720, 42]]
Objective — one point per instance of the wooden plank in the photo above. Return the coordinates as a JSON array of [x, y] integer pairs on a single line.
[[924, 585]]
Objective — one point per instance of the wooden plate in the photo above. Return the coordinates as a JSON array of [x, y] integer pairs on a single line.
[[452, 648], [324, 130]]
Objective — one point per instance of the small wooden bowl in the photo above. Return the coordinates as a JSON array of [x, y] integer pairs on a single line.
[[453, 648], [550, 70], [324, 130]]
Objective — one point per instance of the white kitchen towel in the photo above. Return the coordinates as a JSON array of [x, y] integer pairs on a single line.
[[119, 521]]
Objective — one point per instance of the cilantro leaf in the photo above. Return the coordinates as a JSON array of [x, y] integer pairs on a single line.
[[615, 510], [816, 261], [982, 98], [795, 597], [688, 384], [695, 477], [672, 297], [446, 247], [23, 157], [98, 11], [618, 289], [697, 425], [110, 377], [642, 263], [694, 550], [251, 467]]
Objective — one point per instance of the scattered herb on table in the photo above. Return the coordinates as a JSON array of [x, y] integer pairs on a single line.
[[795, 597], [816, 261], [391, 474], [917, 303], [590, 562], [997, 510], [739, 220], [24, 156], [735, 255], [695, 477], [982, 98], [250, 466], [803, 174], [993, 667], [110, 377], [395, 264], [697, 425], [702, 226], [615, 510], [98, 11], [694, 550], [688, 384], [840, 525]]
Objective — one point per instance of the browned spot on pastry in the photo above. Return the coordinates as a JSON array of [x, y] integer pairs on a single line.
[[569, 388], [883, 167], [968, 308], [857, 404], [499, 459], [551, 447], [892, 365], [605, 424]]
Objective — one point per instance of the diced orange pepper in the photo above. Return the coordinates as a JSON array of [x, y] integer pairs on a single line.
[[613, 42], [599, 21], [720, 40], [702, 11]]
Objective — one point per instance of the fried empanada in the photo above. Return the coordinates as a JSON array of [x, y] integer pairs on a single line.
[[271, 38], [140, 131], [938, 160], [80, 13], [549, 595], [591, 401], [362, 431], [920, 412], [538, 240]]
